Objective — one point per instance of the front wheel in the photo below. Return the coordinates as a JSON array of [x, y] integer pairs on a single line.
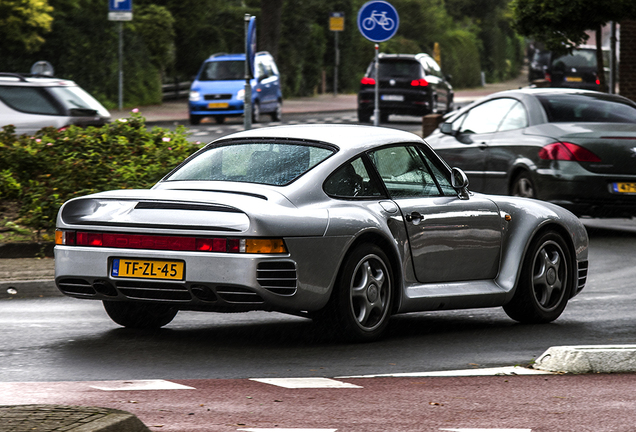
[[195, 119], [545, 283], [277, 114], [361, 306], [139, 315], [256, 112]]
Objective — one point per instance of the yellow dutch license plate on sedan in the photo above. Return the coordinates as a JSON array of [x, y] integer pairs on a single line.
[[625, 187], [135, 268], [573, 79], [218, 105]]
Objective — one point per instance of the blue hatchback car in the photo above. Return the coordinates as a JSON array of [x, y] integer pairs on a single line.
[[219, 88]]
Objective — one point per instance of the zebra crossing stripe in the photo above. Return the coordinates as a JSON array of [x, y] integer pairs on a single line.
[[287, 430], [138, 385], [300, 383]]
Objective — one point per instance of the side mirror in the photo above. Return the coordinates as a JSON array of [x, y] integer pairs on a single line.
[[446, 128], [459, 181]]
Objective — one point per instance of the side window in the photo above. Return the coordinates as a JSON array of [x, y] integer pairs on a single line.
[[352, 180], [485, 118], [29, 99], [515, 119], [404, 172]]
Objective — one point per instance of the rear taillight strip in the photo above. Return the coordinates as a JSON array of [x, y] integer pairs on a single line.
[[172, 243]]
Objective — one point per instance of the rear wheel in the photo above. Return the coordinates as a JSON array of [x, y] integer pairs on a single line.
[[545, 283], [384, 118], [219, 119], [523, 186], [360, 307], [195, 119], [139, 315], [256, 112]]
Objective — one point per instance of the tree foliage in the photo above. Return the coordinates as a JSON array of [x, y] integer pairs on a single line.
[[23, 24]]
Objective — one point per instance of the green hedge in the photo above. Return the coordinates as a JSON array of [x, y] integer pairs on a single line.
[[42, 171]]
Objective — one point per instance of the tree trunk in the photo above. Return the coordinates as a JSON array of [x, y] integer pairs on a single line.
[[600, 70], [269, 28]]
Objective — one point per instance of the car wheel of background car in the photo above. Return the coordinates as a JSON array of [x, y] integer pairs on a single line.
[[384, 118], [434, 105], [361, 305], [449, 104], [139, 315], [523, 186], [545, 283], [219, 119], [277, 114], [364, 117], [256, 112], [195, 119]]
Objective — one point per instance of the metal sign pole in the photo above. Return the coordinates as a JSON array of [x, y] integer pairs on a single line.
[[335, 72], [376, 109], [247, 101], [121, 66]]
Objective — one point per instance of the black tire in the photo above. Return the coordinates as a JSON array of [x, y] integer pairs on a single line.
[[450, 106], [384, 118], [219, 119], [546, 281], [360, 306], [195, 119], [256, 112], [364, 117], [277, 114], [139, 315], [523, 186]]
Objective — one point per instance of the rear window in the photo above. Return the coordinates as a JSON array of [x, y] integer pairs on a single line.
[[398, 69], [270, 163], [223, 71], [33, 100], [572, 108]]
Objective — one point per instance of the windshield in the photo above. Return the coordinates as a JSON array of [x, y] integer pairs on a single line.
[[223, 71], [76, 97], [264, 163], [570, 108]]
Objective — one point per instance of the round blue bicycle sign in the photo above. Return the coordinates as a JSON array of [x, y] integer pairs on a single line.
[[378, 21]]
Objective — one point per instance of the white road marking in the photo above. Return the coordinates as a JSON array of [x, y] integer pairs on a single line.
[[488, 430], [312, 382], [139, 385], [509, 370], [287, 430]]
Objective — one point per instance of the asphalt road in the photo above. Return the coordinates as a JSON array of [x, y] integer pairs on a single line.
[[61, 339]]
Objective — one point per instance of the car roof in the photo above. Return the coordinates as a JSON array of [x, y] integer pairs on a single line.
[[346, 137], [26, 80], [234, 56]]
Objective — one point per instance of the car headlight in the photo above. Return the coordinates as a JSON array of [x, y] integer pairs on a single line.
[[240, 95], [195, 96]]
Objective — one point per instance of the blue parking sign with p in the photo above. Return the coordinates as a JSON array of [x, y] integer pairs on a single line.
[[378, 21], [120, 5]]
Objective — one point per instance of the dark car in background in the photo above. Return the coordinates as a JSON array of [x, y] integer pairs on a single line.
[[574, 148], [578, 69], [409, 84], [538, 65]]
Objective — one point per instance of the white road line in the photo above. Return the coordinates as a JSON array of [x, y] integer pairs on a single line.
[[312, 382], [509, 370], [138, 385], [487, 430], [287, 430]]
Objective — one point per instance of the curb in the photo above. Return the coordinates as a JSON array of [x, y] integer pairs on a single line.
[[58, 418], [583, 359]]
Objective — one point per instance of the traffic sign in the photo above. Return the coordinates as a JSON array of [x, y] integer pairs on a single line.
[[119, 10], [336, 21], [378, 21]]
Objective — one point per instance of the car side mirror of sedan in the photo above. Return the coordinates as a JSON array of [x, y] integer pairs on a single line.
[[446, 128], [459, 181]]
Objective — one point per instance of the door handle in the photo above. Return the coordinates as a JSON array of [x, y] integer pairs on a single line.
[[414, 217]]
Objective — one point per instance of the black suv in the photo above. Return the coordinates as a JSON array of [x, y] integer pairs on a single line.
[[410, 84]]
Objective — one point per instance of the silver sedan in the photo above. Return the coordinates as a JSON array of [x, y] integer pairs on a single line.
[[346, 225]]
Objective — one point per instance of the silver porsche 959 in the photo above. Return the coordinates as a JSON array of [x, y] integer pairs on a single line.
[[346, 225]]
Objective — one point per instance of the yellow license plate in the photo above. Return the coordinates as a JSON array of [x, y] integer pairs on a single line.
[[624, 187], [573, 79], [218, 105], [135, 268]]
